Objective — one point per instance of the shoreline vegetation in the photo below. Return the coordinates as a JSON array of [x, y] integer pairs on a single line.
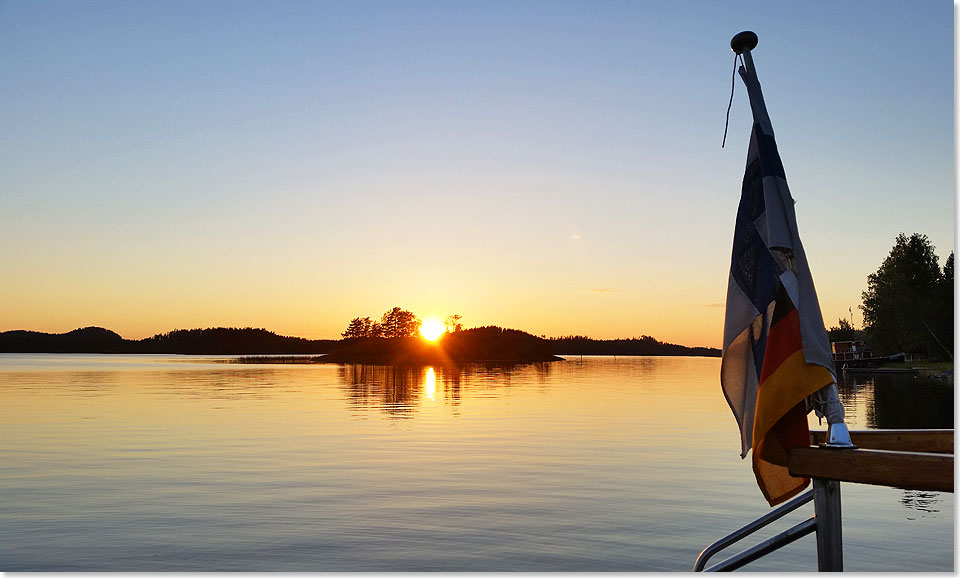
[[488, 343]]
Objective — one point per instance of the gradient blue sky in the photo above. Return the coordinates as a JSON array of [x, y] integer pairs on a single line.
[[548, 166]]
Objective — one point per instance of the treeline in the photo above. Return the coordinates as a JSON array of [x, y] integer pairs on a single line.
[[212, 341], [394, 323], [908, 304], [644, 345], [479, 343], [230, 341]]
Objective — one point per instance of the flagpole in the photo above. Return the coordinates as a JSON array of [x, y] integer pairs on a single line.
[[826, 401], [742, 44]]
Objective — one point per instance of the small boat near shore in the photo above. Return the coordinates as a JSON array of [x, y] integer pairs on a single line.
[[855, 355]]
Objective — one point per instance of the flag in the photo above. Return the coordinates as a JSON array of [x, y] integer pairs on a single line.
[[775, 349]]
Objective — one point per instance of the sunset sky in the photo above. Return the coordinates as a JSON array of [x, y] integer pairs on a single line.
[[549, 166]]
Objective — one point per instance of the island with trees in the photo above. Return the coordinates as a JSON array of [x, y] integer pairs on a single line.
[[488, 343], [394, 340], [397, 339]]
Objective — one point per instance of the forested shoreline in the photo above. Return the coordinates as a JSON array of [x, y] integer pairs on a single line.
[[488, 343], [211, 341]]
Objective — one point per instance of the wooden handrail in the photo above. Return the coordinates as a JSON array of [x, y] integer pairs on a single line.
[[907, 470], [903, 440]]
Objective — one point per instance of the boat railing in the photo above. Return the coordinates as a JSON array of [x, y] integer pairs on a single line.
[[764, 548], [907, 459]]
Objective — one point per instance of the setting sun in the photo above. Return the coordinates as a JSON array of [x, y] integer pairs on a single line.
[[432, 329]]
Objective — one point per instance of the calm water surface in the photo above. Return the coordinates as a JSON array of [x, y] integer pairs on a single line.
[[174, 463]]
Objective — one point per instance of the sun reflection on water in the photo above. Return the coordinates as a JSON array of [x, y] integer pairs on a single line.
[[430, 383]]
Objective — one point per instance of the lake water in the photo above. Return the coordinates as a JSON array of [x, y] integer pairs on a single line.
[[176, 463]]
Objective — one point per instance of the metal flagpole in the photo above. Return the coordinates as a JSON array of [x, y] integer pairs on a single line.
[[826, 402]]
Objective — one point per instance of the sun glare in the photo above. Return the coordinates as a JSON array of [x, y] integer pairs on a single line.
[[432, 329]]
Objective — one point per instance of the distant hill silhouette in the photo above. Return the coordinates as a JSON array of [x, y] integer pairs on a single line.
[[646, 345], [213, 341], [85, 340], [230, 341]]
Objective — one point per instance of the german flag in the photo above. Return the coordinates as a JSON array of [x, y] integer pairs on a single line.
[[780, 421]]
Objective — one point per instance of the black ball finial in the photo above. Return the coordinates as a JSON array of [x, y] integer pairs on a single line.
[[746, 40]]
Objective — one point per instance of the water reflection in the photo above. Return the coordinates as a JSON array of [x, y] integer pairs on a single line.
[[229, 384], [400, 390], [622, 464], [394, 389], [79, 383], [921, 501], [430, 386], [893, 401]]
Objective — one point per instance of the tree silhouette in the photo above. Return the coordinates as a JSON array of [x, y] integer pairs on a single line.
[[843, 332], [943, 326], [452, 323], [354, 329], [362, 327], [903, 306], [399, 323]]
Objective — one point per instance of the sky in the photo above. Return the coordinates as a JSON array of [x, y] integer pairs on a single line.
[[550, 166]]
